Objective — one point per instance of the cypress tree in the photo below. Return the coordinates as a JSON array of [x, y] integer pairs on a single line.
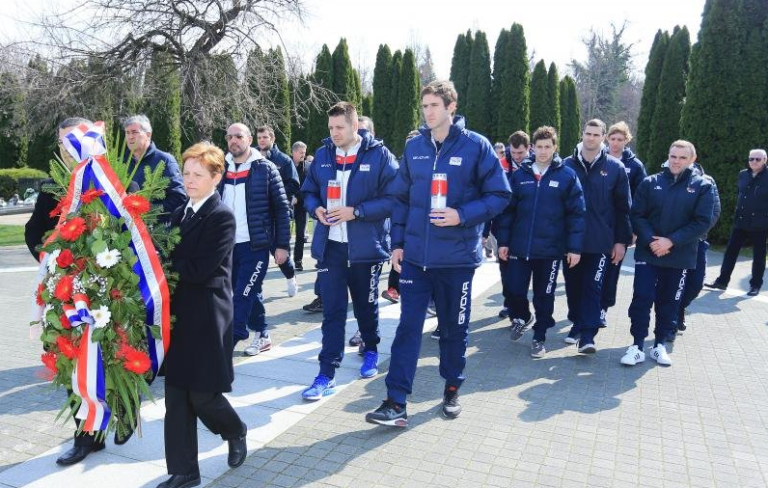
[[366, 107], [280, 96], [344, 84], [407, 112], [163, 103], [500, 85], [539, 96], [317, 130], [518, 95], [570, 116], [42, 143], [477, 105], [462, 51], [394, 93], [553, 92], [650, 92], [754, 123], [382, 87], [670, 98], [712, 117]]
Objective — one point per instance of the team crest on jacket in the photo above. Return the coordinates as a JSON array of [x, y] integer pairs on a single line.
[[691, 190], [603, 172]]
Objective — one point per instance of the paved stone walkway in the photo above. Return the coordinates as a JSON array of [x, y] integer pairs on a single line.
[[565, 420]]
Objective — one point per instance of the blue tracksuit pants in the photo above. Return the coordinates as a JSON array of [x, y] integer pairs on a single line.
[[249, 268], [336, 276], [610, 283], [452, 291], [544, 274], [583, 287], [694, 281], [657, 287]]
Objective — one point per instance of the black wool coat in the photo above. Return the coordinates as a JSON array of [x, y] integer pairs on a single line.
[[200, 354]]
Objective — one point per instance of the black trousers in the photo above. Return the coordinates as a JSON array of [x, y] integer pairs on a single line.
[[182, 409], [300, 217]]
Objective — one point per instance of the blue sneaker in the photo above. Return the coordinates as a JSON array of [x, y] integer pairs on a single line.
[[370, 367], [321, 387]]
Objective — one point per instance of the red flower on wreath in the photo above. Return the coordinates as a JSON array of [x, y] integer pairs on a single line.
[[66, 347], [49, 360], [71, 229], [136, 205], [80, 264], [135, 361], [115, 294], [63, 204], [65, 322], [91, 195], [65, 258], [39, 296], [64, 288]]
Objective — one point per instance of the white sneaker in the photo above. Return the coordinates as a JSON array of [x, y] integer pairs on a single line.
[[258, 345], [633, 356], [292, 288], [659, 354]]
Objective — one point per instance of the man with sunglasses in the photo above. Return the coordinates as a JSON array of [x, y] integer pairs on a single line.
[[749, 222], [253, 189]]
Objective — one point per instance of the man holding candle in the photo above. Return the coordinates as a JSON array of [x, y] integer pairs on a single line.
[[349, 190], [449, 184]]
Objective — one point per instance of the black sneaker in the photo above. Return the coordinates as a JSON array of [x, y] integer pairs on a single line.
[[298, 266], [315, 306], [753, 291], [681, 322], [451, 405], [504, 313], [389, 413], [435, 335]]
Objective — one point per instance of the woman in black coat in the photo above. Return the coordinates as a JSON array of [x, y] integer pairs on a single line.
[[198, 366]]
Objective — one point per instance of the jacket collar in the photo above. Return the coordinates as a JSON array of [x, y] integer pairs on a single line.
[[458, 126], [207, 207]]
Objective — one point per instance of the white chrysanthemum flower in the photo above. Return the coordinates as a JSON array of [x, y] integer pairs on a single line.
[[52, 260], [101, 316], [108, 258]]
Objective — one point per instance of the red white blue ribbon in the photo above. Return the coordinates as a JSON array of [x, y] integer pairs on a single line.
[[86, 144]]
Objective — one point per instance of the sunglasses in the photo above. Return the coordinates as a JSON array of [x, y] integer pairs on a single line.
[[755, 160]]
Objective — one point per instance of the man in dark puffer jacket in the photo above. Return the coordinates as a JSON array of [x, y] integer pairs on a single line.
[[253, 190]]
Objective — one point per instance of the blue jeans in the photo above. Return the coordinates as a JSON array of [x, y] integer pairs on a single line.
[[452, 290]]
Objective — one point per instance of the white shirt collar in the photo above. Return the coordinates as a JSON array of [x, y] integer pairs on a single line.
[[197, 206]]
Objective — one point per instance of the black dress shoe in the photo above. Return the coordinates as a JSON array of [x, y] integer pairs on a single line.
[[298, 266], [181, 481], [238, 450], [122, 440], [753, 291], [78, 453], [716, 285]]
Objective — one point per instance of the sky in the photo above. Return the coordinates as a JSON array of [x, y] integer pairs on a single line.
[[554, 29]]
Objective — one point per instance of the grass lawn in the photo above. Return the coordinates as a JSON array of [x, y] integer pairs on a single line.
[[11, 235]]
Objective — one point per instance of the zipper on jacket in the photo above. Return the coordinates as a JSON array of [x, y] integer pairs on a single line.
[[533, 220]]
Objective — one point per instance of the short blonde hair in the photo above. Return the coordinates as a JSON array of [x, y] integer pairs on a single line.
[[683, 144], [209, 156], [621, 128]]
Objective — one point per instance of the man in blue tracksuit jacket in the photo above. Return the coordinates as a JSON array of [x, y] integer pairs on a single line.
[[749, 222], [543, 223], [671, 211], [438, 249], [606, 194], [265, 139], [694, 280], [253, 190], [350, 241], [618, 137]]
